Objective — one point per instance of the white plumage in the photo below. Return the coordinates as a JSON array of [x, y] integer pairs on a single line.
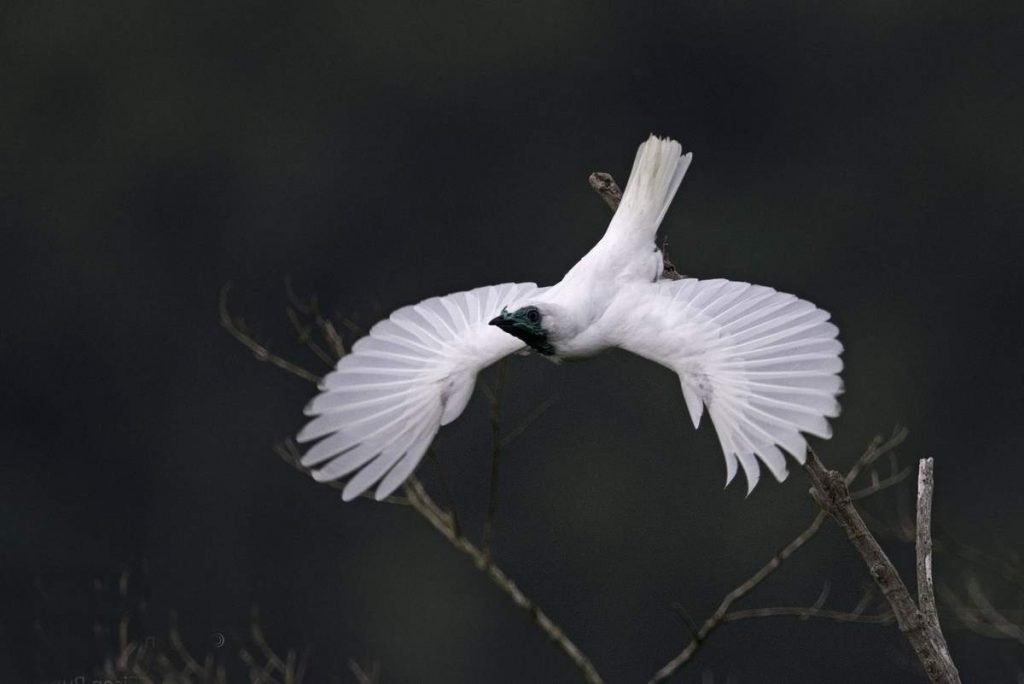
[[765, 364], [383, 404]]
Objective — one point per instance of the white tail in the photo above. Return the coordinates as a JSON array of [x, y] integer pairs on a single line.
[[658, 170]]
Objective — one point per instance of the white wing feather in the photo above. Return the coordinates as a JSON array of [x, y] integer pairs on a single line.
[[764, 363], [379, 410]]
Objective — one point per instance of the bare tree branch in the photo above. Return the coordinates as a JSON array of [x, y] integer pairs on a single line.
[[833, 495], [802, 612], [305, 333], [442, 521], [925, 582], [878, 484], [426, 507], [875, 450], [605, 186], [311, 307], [236, 328], [879, 447], [718, 617], [169, 661]]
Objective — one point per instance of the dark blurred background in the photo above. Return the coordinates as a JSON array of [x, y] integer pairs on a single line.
[[866, 156]]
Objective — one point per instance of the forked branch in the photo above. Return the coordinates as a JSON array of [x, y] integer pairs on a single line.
[[723, 614], [832, 493]]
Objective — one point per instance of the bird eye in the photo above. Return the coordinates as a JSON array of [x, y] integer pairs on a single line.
[[533, 315]]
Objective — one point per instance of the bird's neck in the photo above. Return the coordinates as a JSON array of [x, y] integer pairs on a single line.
[[578, 306]]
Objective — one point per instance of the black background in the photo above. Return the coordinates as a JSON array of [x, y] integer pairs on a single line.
[[866, 156]]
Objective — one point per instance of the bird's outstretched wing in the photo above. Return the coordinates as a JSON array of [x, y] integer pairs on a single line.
[[764, 363], [379, 410]]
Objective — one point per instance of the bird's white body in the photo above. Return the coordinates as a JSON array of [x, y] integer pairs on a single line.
[[764, 363]]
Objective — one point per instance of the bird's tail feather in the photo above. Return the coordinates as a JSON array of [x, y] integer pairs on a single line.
[[658, 169]]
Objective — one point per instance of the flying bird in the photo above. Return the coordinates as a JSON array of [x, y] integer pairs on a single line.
[[763, 363]]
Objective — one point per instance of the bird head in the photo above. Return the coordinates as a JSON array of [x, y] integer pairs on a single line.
[[526, 323]]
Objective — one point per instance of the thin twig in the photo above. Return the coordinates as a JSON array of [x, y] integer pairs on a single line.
[[879, 447], [878, 484], [361, 675], [996, 619], [687, 619], [804, 613], [426, 507], [417, 497], [311, 308], [605, 186], [445, 489], [258, 674], [822, 597], [190, 664], [496, 444], [261, 353], [875, 450], [300, 667], [305, 334], [523, 425], [982, 618], [274, 661], [864, 602], [718, 617], [1011, 572]]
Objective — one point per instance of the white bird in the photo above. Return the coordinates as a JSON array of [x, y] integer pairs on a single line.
[[764, 363]]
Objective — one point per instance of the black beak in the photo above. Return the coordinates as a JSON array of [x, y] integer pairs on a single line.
[[501, 322]]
